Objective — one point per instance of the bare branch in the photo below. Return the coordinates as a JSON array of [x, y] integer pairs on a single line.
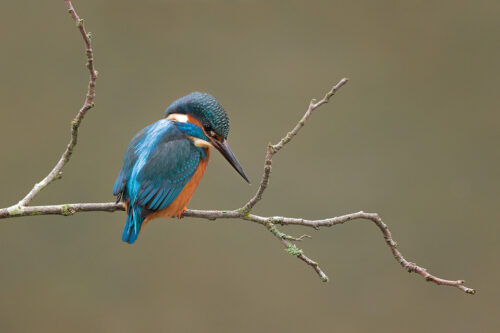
[[273, 149], [56, 172], [312, 106], [64, 209], [268, 222], [243, 213]]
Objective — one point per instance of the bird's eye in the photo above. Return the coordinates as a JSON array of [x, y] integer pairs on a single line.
[[209, 130]]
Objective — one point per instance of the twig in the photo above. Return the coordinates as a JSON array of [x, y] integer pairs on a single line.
[[56, 172], [273, 149], [243, 213]]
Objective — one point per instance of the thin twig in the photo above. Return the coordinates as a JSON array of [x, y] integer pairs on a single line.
[[56, 172], [273, 149], [243, 213]]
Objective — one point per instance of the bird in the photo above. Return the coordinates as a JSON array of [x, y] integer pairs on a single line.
[[164, 162]]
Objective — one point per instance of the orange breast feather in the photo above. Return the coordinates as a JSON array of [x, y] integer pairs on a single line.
[[179, 204]]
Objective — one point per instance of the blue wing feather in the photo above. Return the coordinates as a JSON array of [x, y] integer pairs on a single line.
[[120, 183], [129, 160], [159, 161], [167, 170]]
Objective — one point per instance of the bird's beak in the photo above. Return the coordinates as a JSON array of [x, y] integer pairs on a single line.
[[223, 148]]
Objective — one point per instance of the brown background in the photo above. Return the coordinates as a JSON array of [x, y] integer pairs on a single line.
[[414, 136]]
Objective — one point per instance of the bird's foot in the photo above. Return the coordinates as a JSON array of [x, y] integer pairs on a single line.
[[179, 216]]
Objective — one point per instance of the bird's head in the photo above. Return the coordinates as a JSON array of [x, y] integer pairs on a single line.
[[205, 112]]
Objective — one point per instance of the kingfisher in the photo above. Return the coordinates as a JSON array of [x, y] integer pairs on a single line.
[[164, 162]]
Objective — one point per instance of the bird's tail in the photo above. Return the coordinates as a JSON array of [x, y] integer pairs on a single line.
[[133, 224]]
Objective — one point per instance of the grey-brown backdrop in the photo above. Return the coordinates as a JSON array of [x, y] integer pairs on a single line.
[[414, 136]]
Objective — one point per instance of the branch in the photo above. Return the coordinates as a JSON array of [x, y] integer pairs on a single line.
[[64, 209], [269, 222], [273, 149], [243, 213], [56, 172]]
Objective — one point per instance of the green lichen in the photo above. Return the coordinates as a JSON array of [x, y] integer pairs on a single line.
[[272, 228], [293, 250], [67, 210], [245, 212], [36, 213], [15, 210]]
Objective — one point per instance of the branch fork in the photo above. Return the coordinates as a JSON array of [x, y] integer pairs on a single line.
[[22, 208]]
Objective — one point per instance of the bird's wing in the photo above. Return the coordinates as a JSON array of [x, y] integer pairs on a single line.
[[167, 170], [129, 160]]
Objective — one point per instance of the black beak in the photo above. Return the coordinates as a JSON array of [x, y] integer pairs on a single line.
[[224, 149]]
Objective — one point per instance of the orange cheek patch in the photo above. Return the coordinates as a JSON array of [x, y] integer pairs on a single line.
[[196, 122]]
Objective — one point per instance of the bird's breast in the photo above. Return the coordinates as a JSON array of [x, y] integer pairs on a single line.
[[177, 206]]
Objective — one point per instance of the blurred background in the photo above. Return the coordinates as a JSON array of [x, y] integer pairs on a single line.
[[414, 136]]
